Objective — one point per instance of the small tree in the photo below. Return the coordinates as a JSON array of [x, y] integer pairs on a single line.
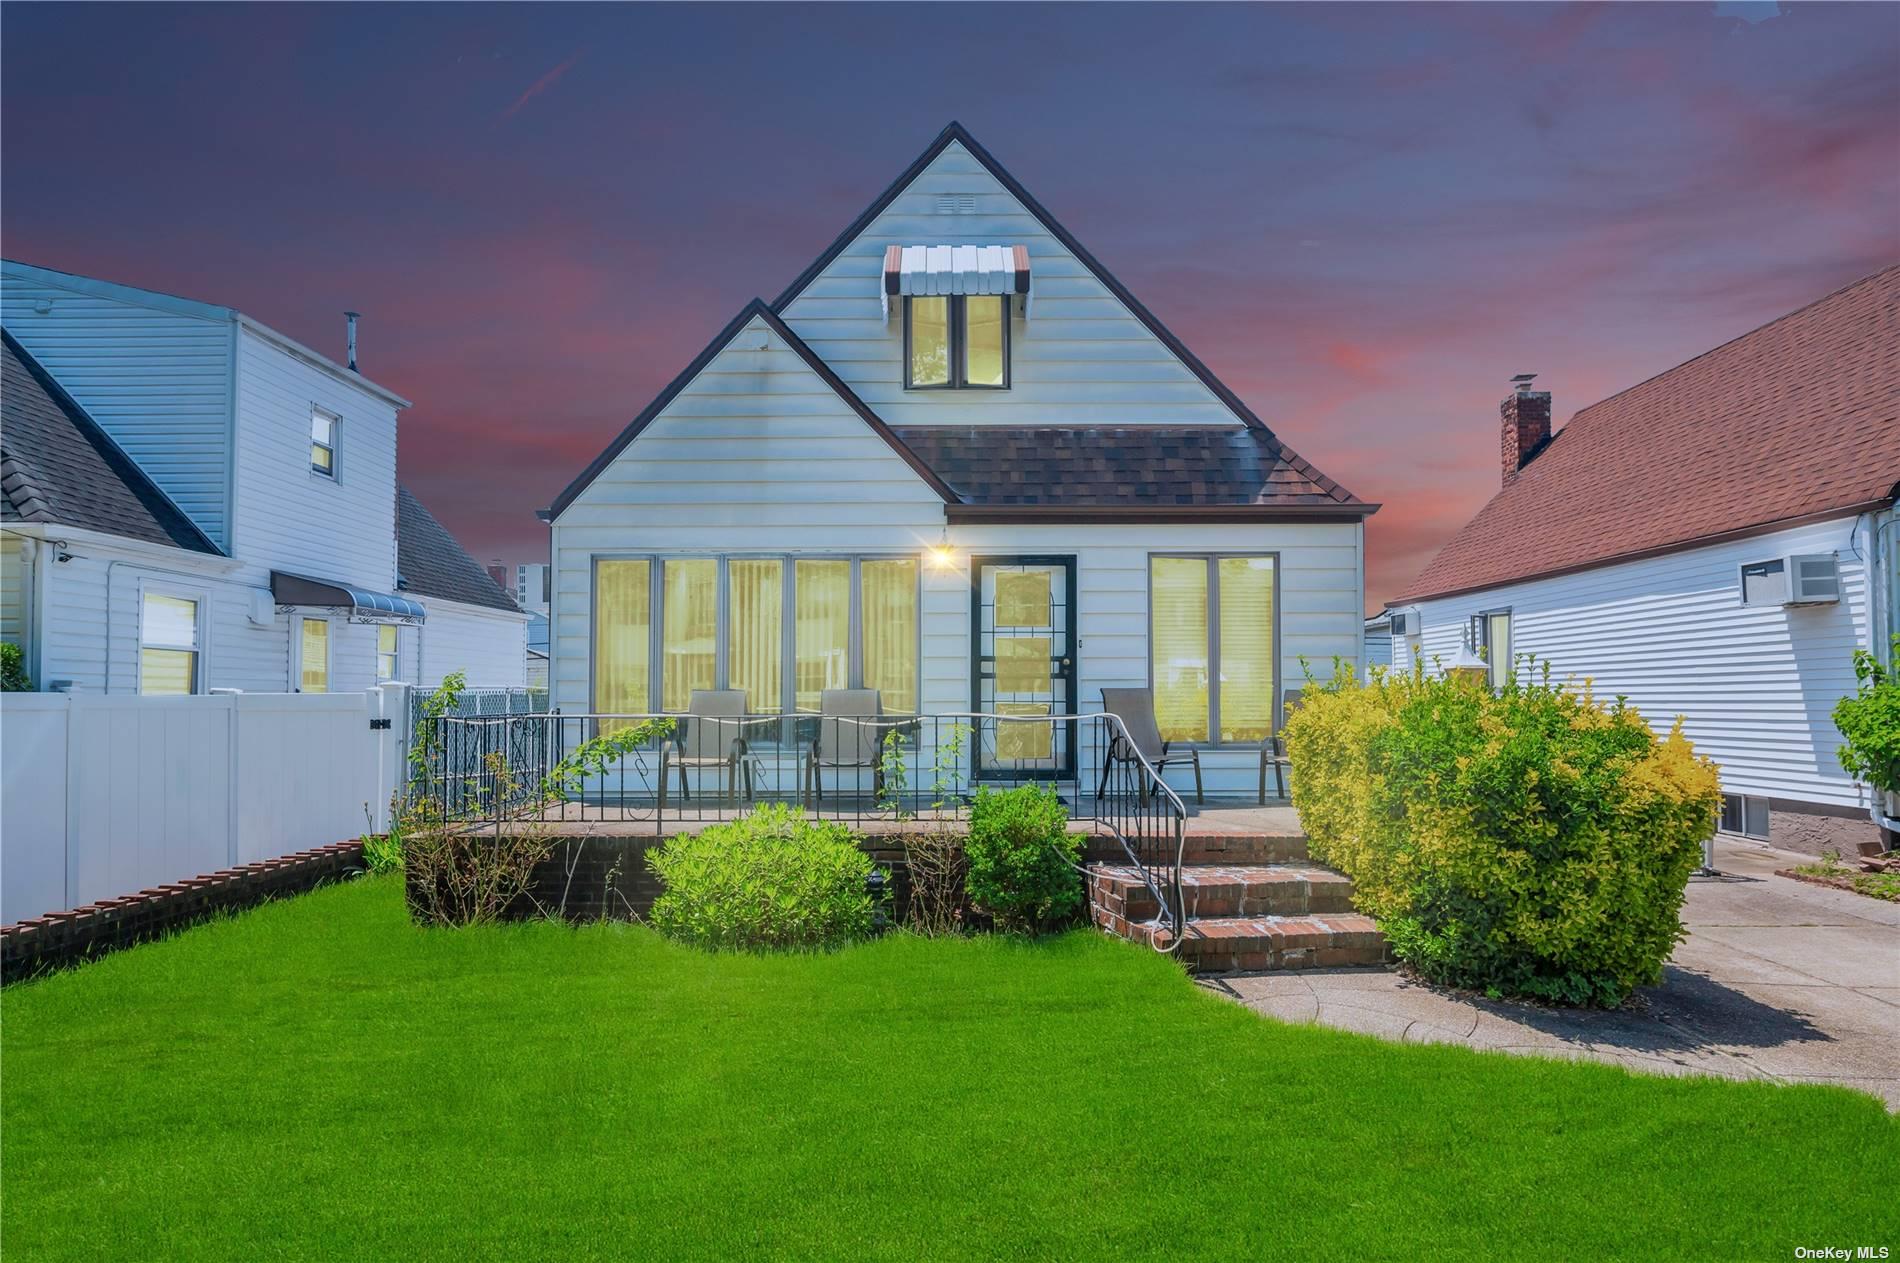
[[1869, 721]]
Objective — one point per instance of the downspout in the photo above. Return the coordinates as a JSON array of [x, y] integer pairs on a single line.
[[1879, 601]]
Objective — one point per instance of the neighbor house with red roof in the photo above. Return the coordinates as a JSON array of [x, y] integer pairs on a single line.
[[1713, 543]]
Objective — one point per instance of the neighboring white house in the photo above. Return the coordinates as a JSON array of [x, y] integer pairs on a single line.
[[192, 499], [1379, 640], [473, 626], [1713, 543], [534, 585], [537, 670], [955, 448]]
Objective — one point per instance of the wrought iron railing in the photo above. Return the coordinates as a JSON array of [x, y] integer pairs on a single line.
[[477, 703], [885, 773]]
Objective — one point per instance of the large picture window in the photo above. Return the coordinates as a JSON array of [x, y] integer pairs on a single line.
[[956, 342], [781, 629], [1211, 647]]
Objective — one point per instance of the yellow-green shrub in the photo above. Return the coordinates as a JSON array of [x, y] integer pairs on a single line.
[[1535, 841]]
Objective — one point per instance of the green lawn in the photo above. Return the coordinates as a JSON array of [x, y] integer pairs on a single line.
[[319, 1079]]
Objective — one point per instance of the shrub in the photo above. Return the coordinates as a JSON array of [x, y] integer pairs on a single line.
[[1022, 860], [1869, 721], [770, 879], [382, 852], [1535, 841], [936, 863], [13, 669]]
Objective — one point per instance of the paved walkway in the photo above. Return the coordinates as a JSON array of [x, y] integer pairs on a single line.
[[1777, 980]]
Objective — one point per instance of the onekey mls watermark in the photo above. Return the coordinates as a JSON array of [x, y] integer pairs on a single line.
[[1841, 1252]]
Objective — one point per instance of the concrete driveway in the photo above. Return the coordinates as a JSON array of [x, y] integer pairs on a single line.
[[1777, 980]]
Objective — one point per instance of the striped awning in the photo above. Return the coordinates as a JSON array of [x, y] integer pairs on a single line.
[[359, 605], [951, 269]]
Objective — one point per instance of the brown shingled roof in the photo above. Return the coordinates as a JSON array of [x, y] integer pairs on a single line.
[[1799, 420], [1122, 467]]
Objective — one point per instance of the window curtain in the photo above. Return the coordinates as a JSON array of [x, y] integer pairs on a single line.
[[315, 656], [689, 629], [1246, 648], [821, 601], [890, 632], [755, 620], [1177, 630], [623, 625]]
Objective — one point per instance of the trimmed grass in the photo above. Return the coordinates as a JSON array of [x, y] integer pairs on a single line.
[[319, 1079]]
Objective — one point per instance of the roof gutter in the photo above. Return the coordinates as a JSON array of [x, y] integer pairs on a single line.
[[1158, 513], [318, 360]]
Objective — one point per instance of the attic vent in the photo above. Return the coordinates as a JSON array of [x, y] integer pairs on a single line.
[[956, 203]]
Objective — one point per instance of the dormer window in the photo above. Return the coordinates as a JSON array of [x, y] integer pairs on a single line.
[[956, 342], [323, 427]]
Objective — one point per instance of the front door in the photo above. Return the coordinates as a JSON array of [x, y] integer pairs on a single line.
[[1022, 627]]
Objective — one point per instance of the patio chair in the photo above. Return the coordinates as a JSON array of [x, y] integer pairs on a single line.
[[711, 734], [1136, 709], [845, 739], [1273, 749]]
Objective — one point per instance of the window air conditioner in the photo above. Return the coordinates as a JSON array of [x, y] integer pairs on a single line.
[[1800, 579]]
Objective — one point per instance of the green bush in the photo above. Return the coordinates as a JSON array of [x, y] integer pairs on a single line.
[[13, 669], [770, 879], [1869, 721], [382, 852], [1534, 842], [1022, 859]]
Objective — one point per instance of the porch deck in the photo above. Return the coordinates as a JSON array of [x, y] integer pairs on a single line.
[[589, 820]]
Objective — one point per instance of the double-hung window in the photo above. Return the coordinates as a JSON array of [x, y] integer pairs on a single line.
[[1491, 638], [313, 656], [956, 342], [169, 637], [323, 440], [386, 646], [1211, 646], [780, 629]]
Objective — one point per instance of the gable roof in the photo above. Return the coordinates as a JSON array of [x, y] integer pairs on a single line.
[[957, 133], [756, 309], [1796, 421], [1125, 468], [59, 467], [429, 561]]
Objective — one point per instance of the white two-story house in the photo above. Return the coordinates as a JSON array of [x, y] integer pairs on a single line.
[[193, 500], [1714, 543], [957, 462]]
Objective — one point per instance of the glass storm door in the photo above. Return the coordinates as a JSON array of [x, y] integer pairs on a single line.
[[1022, 624]]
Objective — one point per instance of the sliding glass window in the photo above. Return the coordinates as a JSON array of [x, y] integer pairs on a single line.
[[781, 629], [1211, 647], [623, 635]]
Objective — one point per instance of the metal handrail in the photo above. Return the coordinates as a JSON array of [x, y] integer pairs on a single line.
[[1145, 816]]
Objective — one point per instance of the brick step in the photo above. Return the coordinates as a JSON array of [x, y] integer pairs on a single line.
[[1225, 890], [1251, 944], [1237, 848]]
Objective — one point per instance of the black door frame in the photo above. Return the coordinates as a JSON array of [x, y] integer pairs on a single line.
[[1065, 669]]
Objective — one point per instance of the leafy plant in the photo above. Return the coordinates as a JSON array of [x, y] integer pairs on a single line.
[[1869, 722], [936, 861], [13, 669], [1022, 859], [470, 843], [1533, 841], [771, 879]]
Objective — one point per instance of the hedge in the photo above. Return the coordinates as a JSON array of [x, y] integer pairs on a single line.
[[1535, 841]]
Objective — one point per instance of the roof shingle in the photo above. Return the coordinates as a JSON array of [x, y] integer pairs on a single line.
[[1798, 419], [429, 561], [58, 467]]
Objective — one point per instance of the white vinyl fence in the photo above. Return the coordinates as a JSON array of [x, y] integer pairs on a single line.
[[103, 796]]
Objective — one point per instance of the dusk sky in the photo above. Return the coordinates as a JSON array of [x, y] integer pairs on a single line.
[[1364, 218]]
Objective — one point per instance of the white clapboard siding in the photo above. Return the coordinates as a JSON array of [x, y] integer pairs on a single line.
[[1756, 685], [154, 371], [488, 646], [290, 518], [105, 796], [1081, 358]]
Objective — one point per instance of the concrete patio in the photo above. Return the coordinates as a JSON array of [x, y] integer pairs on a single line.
[[1778, 980]]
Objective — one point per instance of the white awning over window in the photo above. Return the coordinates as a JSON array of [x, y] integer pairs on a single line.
[[951, 269]]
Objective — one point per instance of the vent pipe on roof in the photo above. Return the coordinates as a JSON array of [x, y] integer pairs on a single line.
[[351, 317]]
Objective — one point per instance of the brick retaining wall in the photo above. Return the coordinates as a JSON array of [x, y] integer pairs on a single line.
[[63, 938]]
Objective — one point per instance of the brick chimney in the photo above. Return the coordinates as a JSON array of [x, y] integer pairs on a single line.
[[1525, 414], [499, 573]]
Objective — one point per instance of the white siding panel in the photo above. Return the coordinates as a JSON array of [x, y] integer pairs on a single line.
[[489, 646], [290, 518], [1756, 685], [157, 379], [1082, 359]]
